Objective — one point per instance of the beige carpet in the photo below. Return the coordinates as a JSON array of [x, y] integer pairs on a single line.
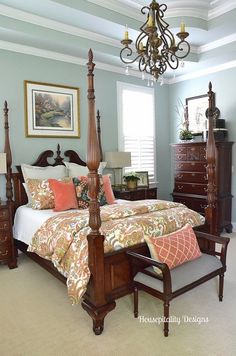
[[37, 319]]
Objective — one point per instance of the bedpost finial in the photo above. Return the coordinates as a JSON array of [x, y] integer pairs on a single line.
[[90, 63], [90, 55], [5, 109], [210, 86]]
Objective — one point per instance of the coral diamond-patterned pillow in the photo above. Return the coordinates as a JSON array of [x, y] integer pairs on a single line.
[[176, 248]]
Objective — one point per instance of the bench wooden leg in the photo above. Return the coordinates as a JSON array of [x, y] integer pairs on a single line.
[[166, 317], [135, 302], [221, 286]]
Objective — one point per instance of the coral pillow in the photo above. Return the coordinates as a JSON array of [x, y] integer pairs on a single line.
[[108, 190], [176, 248], [64, 195]]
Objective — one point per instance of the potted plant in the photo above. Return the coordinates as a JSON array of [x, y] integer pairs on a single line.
[[181, 109], [185, 135], [131, 179]]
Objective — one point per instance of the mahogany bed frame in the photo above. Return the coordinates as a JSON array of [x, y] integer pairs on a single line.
[[111, 274]]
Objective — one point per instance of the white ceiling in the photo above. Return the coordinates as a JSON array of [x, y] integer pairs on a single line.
[[66, 29]]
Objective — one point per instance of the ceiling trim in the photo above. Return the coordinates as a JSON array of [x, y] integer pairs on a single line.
[[183, 10], [57, 56], [56, 25], [28, 50], [220, 10], [134, 13], [203, 72], [216, 44]]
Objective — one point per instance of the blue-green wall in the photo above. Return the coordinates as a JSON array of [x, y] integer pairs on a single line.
[[15, 68], [224, 87]]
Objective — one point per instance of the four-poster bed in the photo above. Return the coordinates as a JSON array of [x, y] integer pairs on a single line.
[[110, 274]]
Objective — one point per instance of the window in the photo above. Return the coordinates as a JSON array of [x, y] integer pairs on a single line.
[[136, 126]]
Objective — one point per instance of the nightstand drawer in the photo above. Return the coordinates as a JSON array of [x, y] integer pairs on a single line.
[[4, 214], [4, 225], [152, 193], [137, 195]]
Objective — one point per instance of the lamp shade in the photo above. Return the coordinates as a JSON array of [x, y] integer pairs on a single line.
[[3, 163], [118, 159]]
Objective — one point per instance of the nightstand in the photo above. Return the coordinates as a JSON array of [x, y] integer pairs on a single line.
[[7, 250], [136, 194]]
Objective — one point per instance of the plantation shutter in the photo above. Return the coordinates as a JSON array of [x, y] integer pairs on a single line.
[[137, 127]]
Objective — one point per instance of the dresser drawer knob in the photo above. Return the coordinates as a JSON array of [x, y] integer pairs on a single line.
[[180, 176], [179, 166], [4, 226], [3, 214], [193, 164], [180, 187], [4, 254], [3, 239], [193, 185], [193, 174]]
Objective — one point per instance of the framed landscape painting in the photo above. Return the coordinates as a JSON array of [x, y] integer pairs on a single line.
[[51, 110]]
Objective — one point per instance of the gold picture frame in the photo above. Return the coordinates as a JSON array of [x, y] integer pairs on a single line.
[[51, 110]]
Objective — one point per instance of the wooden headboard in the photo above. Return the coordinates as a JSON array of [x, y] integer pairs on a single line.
[[20, 197]]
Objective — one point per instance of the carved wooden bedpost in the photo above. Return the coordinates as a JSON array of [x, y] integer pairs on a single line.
[[95, 302], [211, 209], [7, 150], [99, 135]]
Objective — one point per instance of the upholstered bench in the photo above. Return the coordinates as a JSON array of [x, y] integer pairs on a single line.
[[170, 283]]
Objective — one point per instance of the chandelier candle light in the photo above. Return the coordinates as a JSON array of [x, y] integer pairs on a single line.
[[155, 46]]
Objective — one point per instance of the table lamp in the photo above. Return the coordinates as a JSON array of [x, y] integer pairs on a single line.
[[117, 161]]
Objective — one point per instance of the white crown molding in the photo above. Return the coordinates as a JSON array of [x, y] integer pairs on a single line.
[[56, 56], [203, 72], [197, 9], [216, 44], [56, 25], [128, 11], [229, 5], [28, 50]]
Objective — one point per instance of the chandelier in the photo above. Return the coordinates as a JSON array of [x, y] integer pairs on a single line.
[[155, 46]]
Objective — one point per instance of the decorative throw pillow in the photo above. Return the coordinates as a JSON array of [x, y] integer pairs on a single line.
[[108, 189], [42, 196], [174, 249], [81, 187], [64, 195], [35, 172]]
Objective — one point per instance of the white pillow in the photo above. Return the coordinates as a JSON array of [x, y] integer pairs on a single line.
[[35, 172], [76, 170]]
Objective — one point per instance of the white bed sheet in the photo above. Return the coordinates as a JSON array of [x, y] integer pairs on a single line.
[[27, 221]]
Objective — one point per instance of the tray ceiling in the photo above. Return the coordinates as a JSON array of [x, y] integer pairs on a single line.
[[65, 30]]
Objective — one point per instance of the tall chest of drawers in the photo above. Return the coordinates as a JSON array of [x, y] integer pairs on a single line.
[[190, 179]]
